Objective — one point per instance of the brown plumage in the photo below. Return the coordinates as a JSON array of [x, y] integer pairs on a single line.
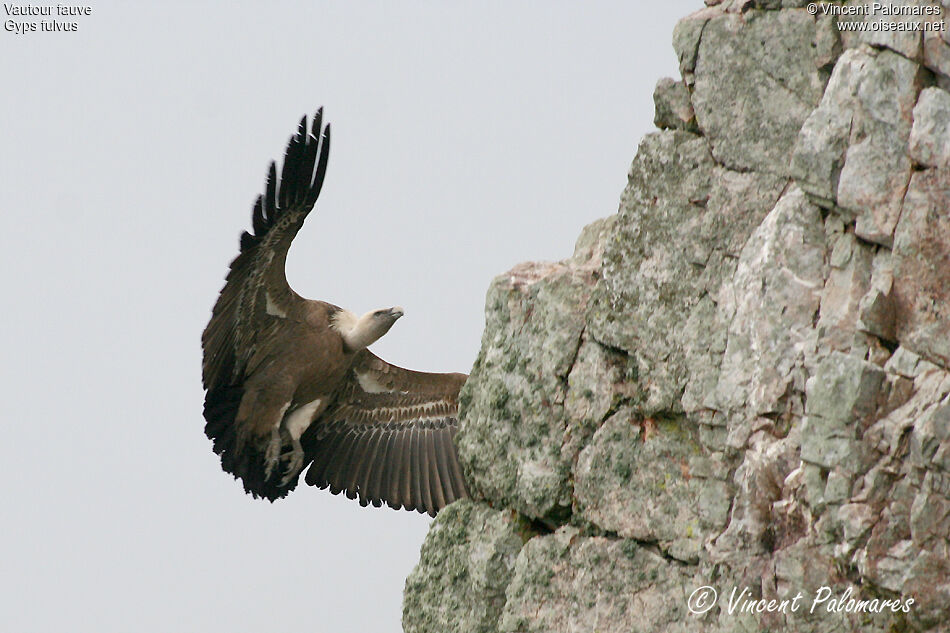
[[291, 386]]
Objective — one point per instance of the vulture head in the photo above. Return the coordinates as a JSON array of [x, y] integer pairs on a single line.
[[370, 327]]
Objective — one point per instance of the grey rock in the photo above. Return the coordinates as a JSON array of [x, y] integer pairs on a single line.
[[682, 222], [852, 149], [903, 362], [922, 264], [756, 81], [927, 578], [906, 494], [846, 287], [760, 490], [876, 312], [828, 45], [886, 91], [889, 570], [930, 441], [770, 304], [838, 488], [599, 381], [590, 245], [937, 53], [513, 420], [904, 40], [819, 152], [830, 443], [673, 108], [741, 379], [930, 135], [686, 36], [464, 567], [856, 520], [814, 481], [844, 388], [634, 479], [930, 514], [569, 582]]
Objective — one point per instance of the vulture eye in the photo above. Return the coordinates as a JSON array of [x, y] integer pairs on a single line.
[[379, 313]]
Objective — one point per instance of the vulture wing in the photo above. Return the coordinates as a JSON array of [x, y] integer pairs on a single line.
[[389, 438], [256, 287]]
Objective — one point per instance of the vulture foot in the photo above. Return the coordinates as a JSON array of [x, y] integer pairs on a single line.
[[294, 459]]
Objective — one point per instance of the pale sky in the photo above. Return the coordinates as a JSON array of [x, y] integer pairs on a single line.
[[467, 137]]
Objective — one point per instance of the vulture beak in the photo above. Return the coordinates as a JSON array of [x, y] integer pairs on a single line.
[[396, 312]]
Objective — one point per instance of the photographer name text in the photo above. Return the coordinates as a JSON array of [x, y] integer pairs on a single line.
[[824, 600], [882, 16]]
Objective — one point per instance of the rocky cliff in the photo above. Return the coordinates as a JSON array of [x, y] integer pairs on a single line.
[[741, 381]]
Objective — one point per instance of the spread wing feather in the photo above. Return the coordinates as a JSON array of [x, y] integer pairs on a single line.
[[388, 438], [240, 313]]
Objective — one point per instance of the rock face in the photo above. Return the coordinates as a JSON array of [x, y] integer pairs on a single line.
[[741, 381]]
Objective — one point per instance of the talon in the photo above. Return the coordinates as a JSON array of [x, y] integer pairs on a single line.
[[294, 462], [272, 454]]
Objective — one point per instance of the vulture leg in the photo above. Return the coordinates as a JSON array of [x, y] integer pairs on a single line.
[[294, 459], [272, 454]]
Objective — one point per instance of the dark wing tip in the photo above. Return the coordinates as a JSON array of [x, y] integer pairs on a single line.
[[317, 183], [300, 181]]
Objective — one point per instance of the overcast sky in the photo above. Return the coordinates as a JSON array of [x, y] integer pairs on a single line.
[[467, 137]]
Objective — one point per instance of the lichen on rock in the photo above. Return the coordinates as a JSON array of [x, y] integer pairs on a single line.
[[469, 557], [740, 380]]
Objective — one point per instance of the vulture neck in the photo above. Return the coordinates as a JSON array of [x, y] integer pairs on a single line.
[[359, 332]]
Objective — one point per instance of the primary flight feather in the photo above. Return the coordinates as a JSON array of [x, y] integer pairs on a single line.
[[291, 386]]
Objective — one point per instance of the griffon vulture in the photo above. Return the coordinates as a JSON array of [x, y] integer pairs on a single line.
[[291, 384]]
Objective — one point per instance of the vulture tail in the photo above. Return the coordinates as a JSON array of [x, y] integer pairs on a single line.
[[245, 462]]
